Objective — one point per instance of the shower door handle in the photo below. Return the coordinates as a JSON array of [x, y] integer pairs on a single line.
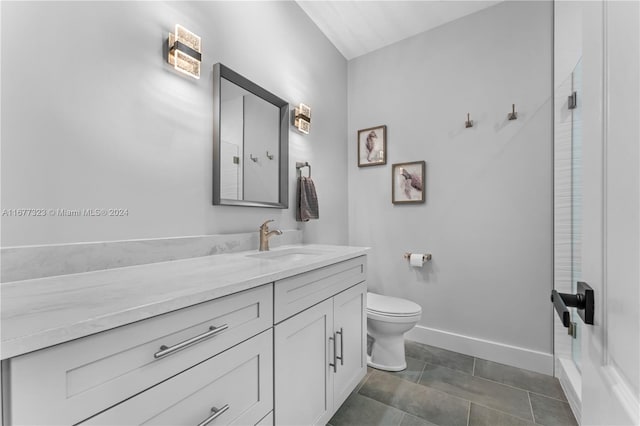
[[561, 307], [583, 301]]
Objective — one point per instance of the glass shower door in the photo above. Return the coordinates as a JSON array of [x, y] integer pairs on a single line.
[[576, 206]]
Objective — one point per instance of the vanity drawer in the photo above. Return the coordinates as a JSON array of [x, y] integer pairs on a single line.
[[240, 379], [70, 382], [295, 294]]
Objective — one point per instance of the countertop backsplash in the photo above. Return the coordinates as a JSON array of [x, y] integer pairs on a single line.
[[28, 262]]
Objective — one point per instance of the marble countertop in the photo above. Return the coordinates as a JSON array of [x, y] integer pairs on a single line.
[[43, 312]]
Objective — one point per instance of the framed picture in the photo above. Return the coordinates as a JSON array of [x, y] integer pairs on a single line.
[[408, 182], [372, 146]]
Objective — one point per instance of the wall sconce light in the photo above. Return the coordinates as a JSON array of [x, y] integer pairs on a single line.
[[185, 51], [302, 118]]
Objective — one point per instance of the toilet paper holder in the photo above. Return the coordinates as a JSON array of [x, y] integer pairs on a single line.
[[425, 256]]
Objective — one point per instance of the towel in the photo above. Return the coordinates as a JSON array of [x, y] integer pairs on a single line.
[[307, 202]]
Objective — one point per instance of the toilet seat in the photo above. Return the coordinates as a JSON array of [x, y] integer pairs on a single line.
[[392, 319], [388, 306]]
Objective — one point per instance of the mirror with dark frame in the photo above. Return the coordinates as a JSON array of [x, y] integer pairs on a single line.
[[250, 143]]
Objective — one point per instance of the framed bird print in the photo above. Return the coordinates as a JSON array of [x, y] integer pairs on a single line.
[[408, 182], [372, 146]]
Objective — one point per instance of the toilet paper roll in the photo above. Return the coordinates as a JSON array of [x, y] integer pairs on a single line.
[[416, 260]]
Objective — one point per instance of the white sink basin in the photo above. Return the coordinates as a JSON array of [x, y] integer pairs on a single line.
[[291, 254]]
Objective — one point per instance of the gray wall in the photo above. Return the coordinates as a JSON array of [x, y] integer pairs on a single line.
[[487, 219], [94, 117]]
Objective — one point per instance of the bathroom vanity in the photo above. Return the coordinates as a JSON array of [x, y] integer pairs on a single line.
[[244, 338]]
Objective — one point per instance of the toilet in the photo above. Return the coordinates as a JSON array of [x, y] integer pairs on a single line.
[[388, 319]]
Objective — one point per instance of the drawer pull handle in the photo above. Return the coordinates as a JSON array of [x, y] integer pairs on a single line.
[[335, 355], [216, 413], [341, 357], [166, 350]]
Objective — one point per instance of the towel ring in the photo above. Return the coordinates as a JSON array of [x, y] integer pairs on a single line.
[[300, 165]]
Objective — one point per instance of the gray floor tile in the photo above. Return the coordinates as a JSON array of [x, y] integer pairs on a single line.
[[412, 373], [409, 420], [364, 379], [551, 412], [483, 416], [523, 379], [360, 410], [429, 404], [438, 356], [490, 394]]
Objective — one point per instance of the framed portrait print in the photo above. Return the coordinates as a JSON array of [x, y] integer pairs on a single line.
[[372, 146], [408, 182]]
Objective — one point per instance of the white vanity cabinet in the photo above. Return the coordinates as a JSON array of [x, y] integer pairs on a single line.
[[71, 382], [319, 348], [350, 325], [286, 351]]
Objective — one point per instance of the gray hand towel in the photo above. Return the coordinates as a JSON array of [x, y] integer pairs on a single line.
[[307, 202]]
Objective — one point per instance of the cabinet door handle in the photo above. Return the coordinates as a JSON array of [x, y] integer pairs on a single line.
[[335, 356], [167, 350], [216, 413], [341, 357]]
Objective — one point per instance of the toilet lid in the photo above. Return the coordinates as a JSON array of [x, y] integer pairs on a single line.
[[392, 306]]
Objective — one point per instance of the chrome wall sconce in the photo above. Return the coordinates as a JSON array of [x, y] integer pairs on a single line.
[[302, 118], [185, 51]]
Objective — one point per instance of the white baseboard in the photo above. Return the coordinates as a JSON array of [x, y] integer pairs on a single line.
[[571, 382], [622, 397], [493, 351]]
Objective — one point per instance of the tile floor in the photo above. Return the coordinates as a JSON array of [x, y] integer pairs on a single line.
[[441, 387]]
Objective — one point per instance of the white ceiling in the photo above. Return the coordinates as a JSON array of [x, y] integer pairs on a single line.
[[359, 27]]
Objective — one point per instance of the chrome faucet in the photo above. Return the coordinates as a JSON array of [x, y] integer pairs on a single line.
[[265, 234]]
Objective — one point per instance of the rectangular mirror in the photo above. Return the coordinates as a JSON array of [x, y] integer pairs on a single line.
[[250, 143]]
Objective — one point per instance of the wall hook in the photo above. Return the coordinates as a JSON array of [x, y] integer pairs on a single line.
[[254, 159], [513, 115], [469, 122], [270, 156], [573, 100]]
